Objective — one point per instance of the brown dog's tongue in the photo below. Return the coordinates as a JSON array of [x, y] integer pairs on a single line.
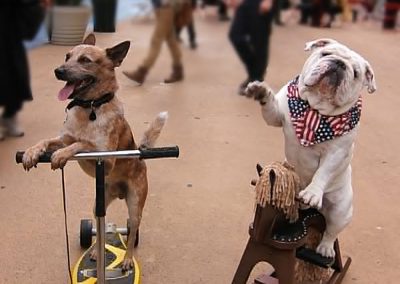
[[66, 92]]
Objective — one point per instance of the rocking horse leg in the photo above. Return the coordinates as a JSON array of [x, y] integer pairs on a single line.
[[284, 264], [338, 276], [253, 254], [339, 269]]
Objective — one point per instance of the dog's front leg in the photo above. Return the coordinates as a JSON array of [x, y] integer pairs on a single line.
[[61, 156], [262, 93], [32, 154], [333, 162]]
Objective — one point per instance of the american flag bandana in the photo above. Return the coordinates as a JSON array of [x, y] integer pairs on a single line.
[[312, 127]]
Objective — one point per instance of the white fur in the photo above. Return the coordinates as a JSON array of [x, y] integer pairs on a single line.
[[324, 168]]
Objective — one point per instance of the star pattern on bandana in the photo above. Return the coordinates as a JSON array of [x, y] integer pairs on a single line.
[[311, 127]]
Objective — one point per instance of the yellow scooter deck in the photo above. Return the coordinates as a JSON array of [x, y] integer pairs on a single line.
[[85, 269]]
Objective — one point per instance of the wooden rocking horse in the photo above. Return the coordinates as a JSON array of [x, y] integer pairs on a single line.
[[280, 234]]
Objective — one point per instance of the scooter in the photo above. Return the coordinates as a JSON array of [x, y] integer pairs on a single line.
[[110, 245]]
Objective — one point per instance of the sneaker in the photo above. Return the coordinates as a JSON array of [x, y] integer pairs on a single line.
[[11, 127]]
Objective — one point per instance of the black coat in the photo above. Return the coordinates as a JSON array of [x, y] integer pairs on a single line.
[[14, 69]]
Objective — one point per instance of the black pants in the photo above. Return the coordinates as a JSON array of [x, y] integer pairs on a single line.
[[391, 9], [222, 9], [12, 109], [191, 32], [250, 32]]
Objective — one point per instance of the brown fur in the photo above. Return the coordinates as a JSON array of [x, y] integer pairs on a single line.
[[125, 178]]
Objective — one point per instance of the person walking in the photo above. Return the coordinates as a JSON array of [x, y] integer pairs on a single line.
[[190, 28], [249, 34], [19, 20], [391, 9], [164, 30]]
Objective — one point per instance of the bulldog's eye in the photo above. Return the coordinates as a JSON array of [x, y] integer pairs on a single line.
[[323, 54], [67, 57], [84, 59], [355, 73]]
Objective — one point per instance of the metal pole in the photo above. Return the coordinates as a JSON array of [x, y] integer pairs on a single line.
[[100, 222]]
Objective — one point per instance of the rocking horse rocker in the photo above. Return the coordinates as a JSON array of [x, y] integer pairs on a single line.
[[285, 236]]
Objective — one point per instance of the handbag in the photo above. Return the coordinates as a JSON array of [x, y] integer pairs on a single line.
[[30, 17], [183, 16]]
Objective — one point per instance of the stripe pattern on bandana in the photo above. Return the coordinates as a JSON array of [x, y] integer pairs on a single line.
[[311, 127]]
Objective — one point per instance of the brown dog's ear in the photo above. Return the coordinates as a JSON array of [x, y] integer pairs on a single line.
[[90, 40], [311, 45], [370, 79], [118, 52]]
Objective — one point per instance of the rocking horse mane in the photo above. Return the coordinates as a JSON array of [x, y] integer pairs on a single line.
[[278, 186]]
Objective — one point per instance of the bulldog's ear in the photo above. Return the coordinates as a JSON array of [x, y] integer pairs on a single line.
[[90, 40], [311, 45], [370, 79], [118, 52]]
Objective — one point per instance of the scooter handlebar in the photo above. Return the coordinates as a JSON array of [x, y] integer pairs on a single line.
[[149, 153], [44, 158], [161, 152]]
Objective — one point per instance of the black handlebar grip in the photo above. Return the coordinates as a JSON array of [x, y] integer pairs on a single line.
[[44, 158], [161, 152]]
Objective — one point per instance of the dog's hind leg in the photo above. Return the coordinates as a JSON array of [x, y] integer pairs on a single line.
[[135, 199], [337, 217]]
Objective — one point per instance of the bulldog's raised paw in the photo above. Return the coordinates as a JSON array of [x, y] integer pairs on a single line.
[[259, 91], [312, 196]]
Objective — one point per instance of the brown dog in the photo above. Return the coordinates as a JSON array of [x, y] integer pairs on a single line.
[[95, 122]]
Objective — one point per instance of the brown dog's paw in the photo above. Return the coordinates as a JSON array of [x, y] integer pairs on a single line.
[[93, 255], [127, 263], [259, 91], [31, 156], [59, 159]]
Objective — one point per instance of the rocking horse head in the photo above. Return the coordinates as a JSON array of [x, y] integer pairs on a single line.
[[278, 186]]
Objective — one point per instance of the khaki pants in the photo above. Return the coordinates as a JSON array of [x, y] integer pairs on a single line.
[[164, 31]]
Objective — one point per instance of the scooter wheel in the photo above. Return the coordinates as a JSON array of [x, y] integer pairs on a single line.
[[128, 227], [86, 233]]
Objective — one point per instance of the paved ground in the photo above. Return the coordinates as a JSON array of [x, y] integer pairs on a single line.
[[195, 221]]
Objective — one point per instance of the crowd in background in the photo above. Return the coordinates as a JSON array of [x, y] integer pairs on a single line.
[[250, 28]]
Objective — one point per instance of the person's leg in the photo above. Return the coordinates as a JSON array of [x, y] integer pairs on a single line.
[[222, 11], [389, 20], [9, 122], [260, 31], [159, 35], [173, 46], [161, 32], [192, 34], [178, 34], [239, 37], [277, 12]]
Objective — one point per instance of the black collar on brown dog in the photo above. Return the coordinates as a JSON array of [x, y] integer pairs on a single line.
[[91, 104]]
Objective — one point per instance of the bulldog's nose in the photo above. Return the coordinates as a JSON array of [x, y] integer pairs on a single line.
[[340, 64], [60, 73]]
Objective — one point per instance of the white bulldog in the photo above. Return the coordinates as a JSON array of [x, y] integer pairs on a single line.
[[319, 112]]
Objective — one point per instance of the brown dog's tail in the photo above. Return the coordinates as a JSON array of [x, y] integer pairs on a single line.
[[152, 133]]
